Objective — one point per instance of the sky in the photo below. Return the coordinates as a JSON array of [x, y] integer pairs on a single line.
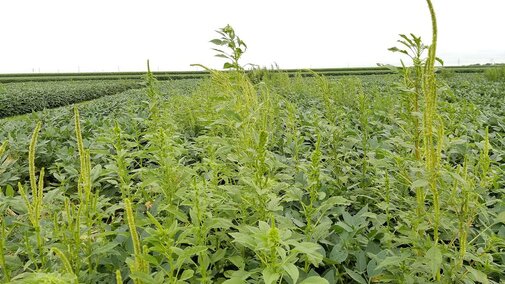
[[120, 35]]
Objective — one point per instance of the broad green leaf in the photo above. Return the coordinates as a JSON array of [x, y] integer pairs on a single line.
[[270, 276], [330, 275], [9, 191], [358, 278], [292, 271], [237, 260], [187, 274], [500, 218], [361, 260], [371, 268], [239, 274], [333, 201], [105, 249], [390, 261], [311, 250], [228, 65], [338, 254], [244, 239], [218, 255], [478, 275], [434, 258], [344, 226]]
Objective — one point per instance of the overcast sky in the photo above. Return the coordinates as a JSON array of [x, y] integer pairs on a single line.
[[112, 35]]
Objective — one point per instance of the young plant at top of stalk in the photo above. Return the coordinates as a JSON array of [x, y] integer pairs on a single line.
[[122, 163], [485, 161], [236, 47], [153, 96], [413, 82]]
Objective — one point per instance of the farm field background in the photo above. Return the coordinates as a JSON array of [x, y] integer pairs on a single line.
[[241, 179]]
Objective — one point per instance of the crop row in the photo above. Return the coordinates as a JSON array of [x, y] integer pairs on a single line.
[[21, 98]]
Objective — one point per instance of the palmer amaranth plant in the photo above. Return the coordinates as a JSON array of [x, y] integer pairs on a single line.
[[260, 179]]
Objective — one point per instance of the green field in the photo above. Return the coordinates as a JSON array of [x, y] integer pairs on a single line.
[[284, 180], [175, 75], [367, 175]]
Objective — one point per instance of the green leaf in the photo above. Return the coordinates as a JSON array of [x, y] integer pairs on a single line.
[[408, 42], [500, 218], [187, 274], [234, 280], [270, 276], [358, 278], [237, 276], [390, 261], [338, 254], [478, 275], [190, 251], [434, 257], [228, 65], [9, 191], [142, 276], [336, 200], [420, 183], [314, 280], [105, 249], [344, 226], [292, 271], [244, 239], [218, 42], [221, 56], [238, 261], [311, 250]]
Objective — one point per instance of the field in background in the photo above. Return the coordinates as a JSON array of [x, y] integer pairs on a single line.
[[39, 77]]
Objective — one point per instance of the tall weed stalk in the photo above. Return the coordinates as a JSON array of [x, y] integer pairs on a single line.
[[36, 204], [432, 160]]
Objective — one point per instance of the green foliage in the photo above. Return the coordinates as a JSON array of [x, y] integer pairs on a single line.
[[446, 73], [254, 188], [495, 74], [21, 98]]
